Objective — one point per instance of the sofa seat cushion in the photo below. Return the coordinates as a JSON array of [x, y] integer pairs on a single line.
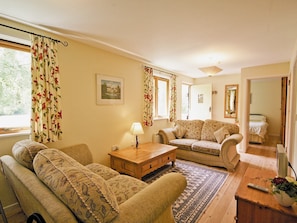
[[125, 187], [185, 144], [207, 147], [25, 150], [193, 128], [104, 171], [86, 194]]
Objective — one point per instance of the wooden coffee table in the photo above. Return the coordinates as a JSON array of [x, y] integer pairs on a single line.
[[139, 162]]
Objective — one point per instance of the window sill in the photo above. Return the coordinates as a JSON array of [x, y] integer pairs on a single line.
[[161, 118], [7, 135]]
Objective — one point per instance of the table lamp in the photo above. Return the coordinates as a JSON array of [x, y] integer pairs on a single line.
[[136, 129]]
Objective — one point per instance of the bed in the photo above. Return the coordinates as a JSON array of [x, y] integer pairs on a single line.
[[257, 128]]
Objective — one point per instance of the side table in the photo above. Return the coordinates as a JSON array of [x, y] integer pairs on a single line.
[[257, 206]]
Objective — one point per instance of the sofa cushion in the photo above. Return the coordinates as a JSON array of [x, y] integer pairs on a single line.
[[84, 192], [179, 131], [125, 187], [25, 150], [221, 134], [210, 126], [104, 171], [193, 128], [207, 147], [185, 144]]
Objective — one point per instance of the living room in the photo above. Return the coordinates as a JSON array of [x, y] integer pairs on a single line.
[[102, 126]]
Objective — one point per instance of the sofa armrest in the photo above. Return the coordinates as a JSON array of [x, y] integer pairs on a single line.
[[167, 135], [149, 204], [237, 137], [76, 151], [33, 196], [229, 152]]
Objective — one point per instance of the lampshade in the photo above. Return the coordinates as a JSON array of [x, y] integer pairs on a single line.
[[136, 128], [210, 70]]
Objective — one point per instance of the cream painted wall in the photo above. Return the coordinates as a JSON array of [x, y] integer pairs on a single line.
[[99, 126], [218, 84], [267, 102], [254, 73]]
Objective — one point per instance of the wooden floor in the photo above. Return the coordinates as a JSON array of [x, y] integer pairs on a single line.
[[223, 207]]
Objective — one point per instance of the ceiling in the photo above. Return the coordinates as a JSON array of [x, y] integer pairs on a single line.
[[175, 35]]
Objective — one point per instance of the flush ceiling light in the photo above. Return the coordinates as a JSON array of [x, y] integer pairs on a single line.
[[210, 70]]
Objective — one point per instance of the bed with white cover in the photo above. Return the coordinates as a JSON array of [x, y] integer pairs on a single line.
[[257, 128]]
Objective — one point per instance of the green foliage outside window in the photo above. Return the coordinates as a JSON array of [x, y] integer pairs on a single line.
[[15, 82]]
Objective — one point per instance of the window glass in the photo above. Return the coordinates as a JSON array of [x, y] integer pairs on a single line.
[[185, 101], [161, 87], [162, 98], [15, 88]]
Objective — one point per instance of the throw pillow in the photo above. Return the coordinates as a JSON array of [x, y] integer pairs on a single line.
[[25, 150], [221, 134], [179, 131], [86, 193]]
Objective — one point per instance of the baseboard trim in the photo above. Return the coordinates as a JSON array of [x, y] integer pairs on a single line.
[[12, 209]]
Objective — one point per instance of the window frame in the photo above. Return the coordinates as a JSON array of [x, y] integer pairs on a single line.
[[156, 99], [24, 48]]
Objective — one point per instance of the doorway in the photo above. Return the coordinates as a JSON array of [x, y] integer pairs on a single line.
[[281, 105], [201, 102]]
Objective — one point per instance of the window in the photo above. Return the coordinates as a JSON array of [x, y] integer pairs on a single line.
[[15, 87], [161, 87], [185, 101]]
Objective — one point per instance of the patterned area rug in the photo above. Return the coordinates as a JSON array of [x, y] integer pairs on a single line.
[[203, 183]]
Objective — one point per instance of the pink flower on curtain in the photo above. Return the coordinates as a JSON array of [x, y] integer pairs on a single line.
[[148, 96], [46, 97], [172, 111]]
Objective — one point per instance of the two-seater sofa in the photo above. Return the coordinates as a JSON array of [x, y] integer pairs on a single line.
[[208, 142], [64, 185]]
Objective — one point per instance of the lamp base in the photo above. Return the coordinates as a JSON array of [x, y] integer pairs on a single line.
[[137, 142]]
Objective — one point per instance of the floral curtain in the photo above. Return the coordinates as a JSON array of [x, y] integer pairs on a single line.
[[46, 98], [172, 110], [148, 96]]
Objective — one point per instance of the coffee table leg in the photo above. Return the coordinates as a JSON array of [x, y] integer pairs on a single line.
[[173, 163]]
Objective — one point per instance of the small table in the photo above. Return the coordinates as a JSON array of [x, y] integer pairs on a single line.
[[256, 206], [144, 160]]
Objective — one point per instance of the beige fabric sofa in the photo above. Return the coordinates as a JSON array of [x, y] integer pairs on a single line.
[[64, 185], [208, 142]]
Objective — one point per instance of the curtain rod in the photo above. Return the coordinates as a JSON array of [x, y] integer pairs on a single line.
[[65, 43], [161, 71]]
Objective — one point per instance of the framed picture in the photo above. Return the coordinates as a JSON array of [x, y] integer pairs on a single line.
[[110, 90], [200, 98]]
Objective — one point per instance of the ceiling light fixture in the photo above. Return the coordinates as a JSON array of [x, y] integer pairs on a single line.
[[210, 70]]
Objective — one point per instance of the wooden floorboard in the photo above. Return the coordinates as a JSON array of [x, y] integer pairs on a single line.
[[223, 207]]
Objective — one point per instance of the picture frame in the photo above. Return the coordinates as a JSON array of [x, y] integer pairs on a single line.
[[200, 98], [110, 90]]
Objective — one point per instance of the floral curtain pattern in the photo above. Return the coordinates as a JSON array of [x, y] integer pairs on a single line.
[[148, 96], [46, 97], [172, 109]]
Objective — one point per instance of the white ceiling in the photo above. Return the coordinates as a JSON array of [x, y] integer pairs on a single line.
[[176, 35]]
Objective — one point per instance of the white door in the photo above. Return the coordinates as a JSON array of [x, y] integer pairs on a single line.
[[201, 103]]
